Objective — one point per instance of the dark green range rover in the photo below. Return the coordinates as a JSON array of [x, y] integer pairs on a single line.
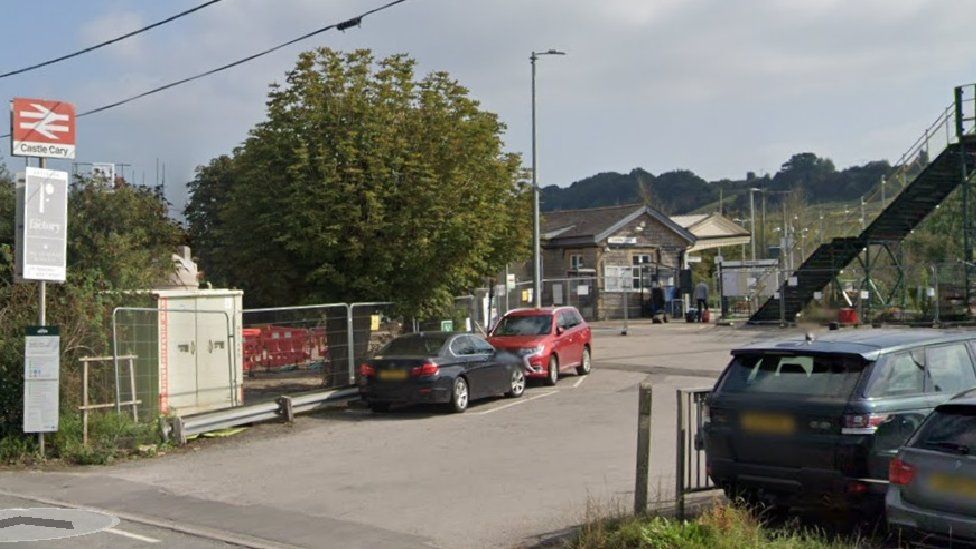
[[814, 421]]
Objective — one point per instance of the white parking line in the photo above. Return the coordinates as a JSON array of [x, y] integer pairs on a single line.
[[516, 403], [579, 381], [118, 532]]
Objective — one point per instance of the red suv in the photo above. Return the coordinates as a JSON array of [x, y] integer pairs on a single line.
[[549, 340]]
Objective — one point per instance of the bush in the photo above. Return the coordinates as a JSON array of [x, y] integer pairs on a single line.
[[17, 449]]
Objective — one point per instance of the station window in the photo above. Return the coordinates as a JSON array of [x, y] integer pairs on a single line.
[[638, 260]]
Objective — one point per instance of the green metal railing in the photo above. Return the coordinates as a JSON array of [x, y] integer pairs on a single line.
[[955, 120]]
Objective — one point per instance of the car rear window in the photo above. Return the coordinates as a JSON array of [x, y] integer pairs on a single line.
[[426, 345], [813, 375], [949, 429]]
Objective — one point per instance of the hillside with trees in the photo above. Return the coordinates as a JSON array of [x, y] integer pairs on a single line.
[[682, 191]]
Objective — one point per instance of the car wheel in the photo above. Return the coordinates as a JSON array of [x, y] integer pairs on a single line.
[[379, 407], [553, 376], [584, 367], [518, 383], [460, 395]]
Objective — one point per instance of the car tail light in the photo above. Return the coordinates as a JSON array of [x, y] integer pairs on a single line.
[[862, 424], [366, 370], [428, 369], [900, 473], [857, 488]]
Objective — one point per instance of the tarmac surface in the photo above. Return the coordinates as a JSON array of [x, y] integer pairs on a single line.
[[506, 473]]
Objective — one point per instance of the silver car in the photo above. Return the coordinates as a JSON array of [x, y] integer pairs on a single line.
[[932, 481]]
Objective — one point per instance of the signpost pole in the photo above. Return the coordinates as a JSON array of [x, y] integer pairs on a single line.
[[42, 128], [42, 315]]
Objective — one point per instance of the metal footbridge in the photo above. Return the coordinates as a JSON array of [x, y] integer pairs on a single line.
[[935, 165]]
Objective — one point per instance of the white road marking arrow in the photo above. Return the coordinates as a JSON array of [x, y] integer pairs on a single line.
[[44, 125]]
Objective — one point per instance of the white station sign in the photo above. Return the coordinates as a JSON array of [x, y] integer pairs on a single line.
[[42, 224]]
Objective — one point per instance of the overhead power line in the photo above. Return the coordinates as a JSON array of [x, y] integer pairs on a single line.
[[109, 42], [351, 22]]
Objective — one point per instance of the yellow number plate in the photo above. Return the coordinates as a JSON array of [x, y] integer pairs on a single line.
[[769, 424], [953, 484], [392, 375]]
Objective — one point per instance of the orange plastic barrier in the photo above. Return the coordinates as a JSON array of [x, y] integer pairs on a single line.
[[276, 347]]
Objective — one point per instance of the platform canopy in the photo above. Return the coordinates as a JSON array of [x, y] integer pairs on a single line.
[[712, 231]]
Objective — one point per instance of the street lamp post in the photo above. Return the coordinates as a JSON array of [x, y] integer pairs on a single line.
[[536, 232]]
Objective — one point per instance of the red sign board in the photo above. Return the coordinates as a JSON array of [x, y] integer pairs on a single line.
[[42, 128]]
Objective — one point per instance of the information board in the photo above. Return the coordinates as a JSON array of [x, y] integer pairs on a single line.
[[42, 369]]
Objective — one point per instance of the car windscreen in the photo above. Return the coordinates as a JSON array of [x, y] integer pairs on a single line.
[[425, 345], [524, 325], [833, 376], [949, 429]]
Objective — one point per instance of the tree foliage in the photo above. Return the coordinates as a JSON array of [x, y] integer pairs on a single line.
[[119, 240], [363, 183], [682, 191]]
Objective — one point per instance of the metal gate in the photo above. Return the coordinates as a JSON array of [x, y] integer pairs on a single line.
[[691, 472]]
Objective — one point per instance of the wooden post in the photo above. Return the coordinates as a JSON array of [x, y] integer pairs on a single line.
[[644, 401], [179, 433], [132, 386], [84, 402], [285, 410]]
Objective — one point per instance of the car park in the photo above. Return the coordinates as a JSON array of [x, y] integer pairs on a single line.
[[815, 421], [438, 368], [549, 341], [932, 481]]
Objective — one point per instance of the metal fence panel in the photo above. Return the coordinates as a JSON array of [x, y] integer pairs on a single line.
[[296, 349], [372, 325], [186, 360]]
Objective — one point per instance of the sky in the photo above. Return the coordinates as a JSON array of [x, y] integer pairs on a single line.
[[713, 86]]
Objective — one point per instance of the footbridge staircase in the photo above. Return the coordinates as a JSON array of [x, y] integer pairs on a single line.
[[933, 167]]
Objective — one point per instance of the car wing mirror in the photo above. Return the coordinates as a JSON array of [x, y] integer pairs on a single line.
[[559, 330]]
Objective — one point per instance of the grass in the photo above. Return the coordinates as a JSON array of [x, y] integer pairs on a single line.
[[110, 436], [721, 527]]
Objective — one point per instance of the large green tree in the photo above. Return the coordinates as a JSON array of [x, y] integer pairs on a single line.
[[364, 183]]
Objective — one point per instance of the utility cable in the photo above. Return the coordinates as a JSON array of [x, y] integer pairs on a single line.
[[109, 42], [354, 21]]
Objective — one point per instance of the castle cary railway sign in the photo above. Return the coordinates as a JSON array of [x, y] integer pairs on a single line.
[[42, 128]]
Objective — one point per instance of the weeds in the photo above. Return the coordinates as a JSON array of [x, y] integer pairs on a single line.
[[722, 527], [110, 436], [17, 449]]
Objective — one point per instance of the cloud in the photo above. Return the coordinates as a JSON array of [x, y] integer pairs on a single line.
[[111, 25], [714, 86]]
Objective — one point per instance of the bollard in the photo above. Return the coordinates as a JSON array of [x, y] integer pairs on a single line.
[[285, 409]]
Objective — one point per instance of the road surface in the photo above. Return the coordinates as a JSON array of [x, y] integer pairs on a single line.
[[501, 475]]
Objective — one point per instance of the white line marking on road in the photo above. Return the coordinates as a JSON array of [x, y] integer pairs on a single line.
[[118, 532], [579, 381], [516, 403]]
